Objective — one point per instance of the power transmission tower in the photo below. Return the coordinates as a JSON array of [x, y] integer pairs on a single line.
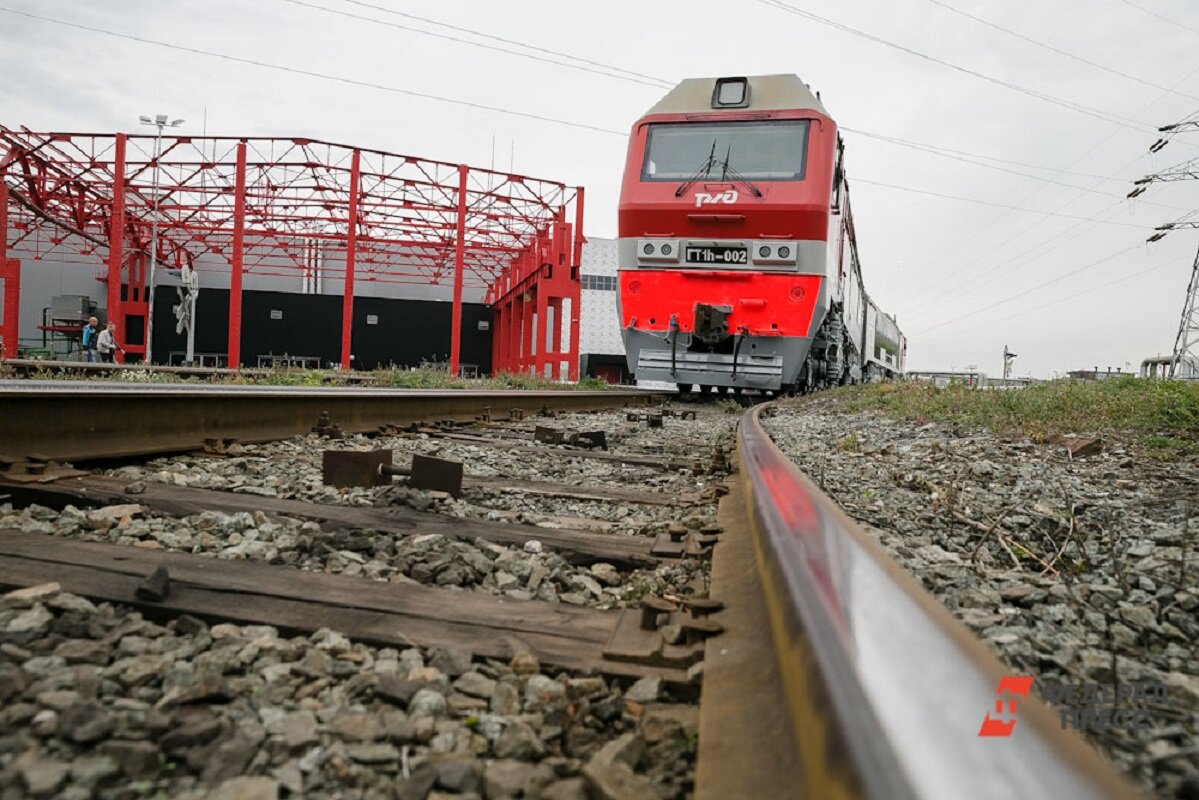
[[1185, 363], [1008, 358], [1185, 360]]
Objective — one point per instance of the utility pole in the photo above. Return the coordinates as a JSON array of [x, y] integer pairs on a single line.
[[1185, 360], [1008, 358], [159, 122]]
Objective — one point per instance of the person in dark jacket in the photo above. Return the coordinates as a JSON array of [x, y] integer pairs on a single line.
[[91, 334]]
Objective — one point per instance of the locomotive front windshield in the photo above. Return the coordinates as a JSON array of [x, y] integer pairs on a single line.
[[774, 150]]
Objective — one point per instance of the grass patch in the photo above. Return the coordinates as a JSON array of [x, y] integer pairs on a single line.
[[1162, 415], [425, 377]]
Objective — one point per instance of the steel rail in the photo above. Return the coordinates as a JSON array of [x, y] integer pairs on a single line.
[[80, 421], [36, 366], [886, 690]]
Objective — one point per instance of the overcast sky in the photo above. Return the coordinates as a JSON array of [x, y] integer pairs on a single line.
[[946, 266]]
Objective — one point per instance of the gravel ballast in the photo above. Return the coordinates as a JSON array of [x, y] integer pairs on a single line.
[[1074, 569], [98, 702]]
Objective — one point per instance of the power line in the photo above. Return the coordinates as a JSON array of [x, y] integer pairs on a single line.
[[606, 72], [968, 154], [933, 150], [481, 34], [1037, 251], [1087, 110], [1064, 205], [995, 205], [314, 74], [1053, 49], [1026, 292], [1141, 8], [1070, 297]]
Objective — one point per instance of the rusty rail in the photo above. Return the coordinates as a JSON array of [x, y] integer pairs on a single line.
[[78, 421], [885, 690]]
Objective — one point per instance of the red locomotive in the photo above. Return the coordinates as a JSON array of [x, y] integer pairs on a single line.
[[738, 264]]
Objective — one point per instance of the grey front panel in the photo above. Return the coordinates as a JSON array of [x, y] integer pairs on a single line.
[[763, 362], [809, 255]]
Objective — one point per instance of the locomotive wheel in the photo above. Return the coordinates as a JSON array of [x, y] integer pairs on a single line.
[[685, 388]]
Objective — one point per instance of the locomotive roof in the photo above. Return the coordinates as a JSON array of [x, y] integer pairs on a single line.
[[766, 93]]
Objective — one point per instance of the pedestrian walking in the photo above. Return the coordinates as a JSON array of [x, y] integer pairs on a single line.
[[88, 342], [106, 343]]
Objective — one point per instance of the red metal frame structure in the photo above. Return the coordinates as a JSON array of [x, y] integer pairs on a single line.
[[285, 206], [10, 277], [528, 338]]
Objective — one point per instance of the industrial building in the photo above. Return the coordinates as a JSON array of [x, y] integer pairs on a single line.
[[285, 251]]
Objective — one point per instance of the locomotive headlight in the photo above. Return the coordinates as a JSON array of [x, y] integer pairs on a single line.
[[657, 250], [772, 254]]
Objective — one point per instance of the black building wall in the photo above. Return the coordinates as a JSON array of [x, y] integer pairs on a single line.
[[386, 331]]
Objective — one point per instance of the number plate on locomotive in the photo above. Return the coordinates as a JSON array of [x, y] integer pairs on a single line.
[[717, 255]]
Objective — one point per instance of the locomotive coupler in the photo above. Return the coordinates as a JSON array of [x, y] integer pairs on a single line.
[[712, 323]]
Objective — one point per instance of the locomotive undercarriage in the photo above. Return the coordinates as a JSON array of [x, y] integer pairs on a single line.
[[833, 360], [739, 360]]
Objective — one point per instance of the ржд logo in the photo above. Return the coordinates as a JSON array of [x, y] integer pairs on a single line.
[[704, 198]]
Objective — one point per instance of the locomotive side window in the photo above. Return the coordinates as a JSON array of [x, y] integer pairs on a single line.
[[759, 151]]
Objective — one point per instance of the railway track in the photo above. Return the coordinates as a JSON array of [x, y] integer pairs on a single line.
[[821, 669], [97, 420]]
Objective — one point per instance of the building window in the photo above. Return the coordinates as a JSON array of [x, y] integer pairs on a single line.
[[600, 283]]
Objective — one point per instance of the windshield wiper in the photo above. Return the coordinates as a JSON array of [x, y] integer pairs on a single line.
[[726, 170], [704, 170]]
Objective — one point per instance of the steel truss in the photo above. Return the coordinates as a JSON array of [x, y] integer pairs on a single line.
[[279, 206]]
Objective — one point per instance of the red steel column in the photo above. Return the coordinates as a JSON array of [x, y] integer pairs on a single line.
[[238, 262], [347, 301], [10, 273], [497, 317], [506, 336], [459, 261], [576, 299], [518, 334], [527, 333], [116, 244]]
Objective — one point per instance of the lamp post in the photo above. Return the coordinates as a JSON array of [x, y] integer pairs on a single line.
[[159, 121]]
